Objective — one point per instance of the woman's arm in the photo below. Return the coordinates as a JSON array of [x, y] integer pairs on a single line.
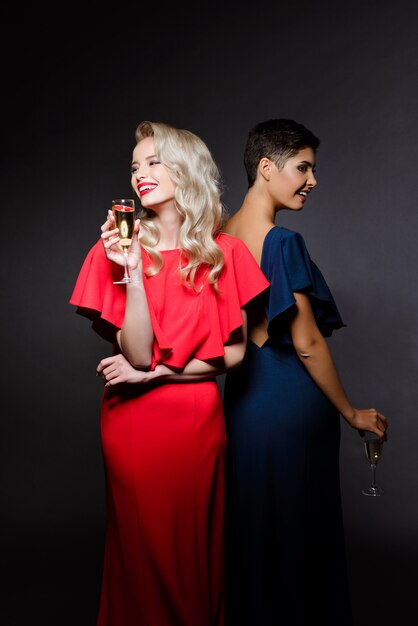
[[197, 370], [314, 353], [136, 335], [116, 369]]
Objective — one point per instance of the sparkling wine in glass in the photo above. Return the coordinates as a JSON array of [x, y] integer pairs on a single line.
[[373, 448], [124, 212]]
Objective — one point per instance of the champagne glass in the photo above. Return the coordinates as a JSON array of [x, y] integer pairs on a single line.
[[124, 212], [373, 448]]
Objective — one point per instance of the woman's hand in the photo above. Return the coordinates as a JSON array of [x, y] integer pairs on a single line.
[[116, 369], [114, 251], [370, 420]]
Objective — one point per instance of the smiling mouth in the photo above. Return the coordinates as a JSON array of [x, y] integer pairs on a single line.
[[145, 189], [302, 195]]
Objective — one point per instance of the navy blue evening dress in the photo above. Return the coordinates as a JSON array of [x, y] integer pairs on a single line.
[[285, 551]]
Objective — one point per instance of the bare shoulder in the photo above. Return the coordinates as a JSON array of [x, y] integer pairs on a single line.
[[231, 226]]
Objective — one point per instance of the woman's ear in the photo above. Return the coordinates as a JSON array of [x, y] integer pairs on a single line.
[[265, 168]]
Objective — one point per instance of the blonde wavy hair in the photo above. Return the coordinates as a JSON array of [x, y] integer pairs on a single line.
[[197, 198]]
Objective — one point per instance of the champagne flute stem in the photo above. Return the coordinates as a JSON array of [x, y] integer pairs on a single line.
[[125, 260], [373, 466]]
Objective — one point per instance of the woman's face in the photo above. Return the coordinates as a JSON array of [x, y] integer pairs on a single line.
[[149, 178], [291, 185]]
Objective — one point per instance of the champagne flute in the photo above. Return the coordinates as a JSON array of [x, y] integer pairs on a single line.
[[124, 212], [373, 448]]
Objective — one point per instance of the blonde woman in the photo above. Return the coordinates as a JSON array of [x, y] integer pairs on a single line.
[[179, 324]]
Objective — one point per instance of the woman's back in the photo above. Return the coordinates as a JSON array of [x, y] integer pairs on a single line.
[[285, 540]]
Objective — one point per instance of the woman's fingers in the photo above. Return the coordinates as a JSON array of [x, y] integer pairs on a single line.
[[372, 421]]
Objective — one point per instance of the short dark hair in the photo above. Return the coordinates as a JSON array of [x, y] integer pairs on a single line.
[[278, 140]]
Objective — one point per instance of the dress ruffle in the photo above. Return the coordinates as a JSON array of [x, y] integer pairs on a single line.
[[287, 265], [187, 324]]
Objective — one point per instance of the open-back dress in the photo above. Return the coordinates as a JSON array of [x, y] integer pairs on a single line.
[[286, 561]]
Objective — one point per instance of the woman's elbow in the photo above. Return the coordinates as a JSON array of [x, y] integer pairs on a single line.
[[140, 361], [305, 347], [141, 365], [235, 356]]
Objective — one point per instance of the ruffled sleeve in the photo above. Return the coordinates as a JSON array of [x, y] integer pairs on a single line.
[[289, 268], [198, 324], [95, 295], [241, 281]]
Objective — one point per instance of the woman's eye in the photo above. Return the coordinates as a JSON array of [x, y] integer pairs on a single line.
[[303, 168], [154, 162]]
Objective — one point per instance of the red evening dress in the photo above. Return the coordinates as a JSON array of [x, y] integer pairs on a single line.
[[164, 444]]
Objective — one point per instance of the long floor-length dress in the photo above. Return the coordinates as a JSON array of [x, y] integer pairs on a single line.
[[286, 561], [164, 445]]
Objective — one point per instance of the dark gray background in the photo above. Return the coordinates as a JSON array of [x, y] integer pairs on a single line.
[[75, 89]]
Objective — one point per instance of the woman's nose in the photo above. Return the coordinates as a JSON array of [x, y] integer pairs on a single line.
[[312, 182], [140, 173]]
